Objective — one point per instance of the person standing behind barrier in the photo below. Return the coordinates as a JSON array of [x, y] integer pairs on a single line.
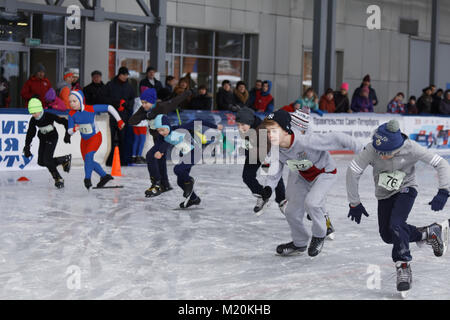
[[202, 101], [64, 87], [341, 99], [121, 96], [150, 81], [437, 98], [326, 103], [252, 93], [4, 90], [240, 96], [264, 101], [310, 100], [166, 92], [425, 101], [444, 108], [396, 105], [96, 92], [372, 92], [36, 86], [224, 97], [411, 106], [362, 103]]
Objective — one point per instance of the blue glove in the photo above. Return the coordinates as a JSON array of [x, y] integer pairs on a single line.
[[356, 212], [438, 202], [318, 111]]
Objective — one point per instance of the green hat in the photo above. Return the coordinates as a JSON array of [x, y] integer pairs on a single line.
[[35, 105]]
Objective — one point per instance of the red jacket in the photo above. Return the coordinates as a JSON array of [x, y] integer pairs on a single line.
[[327, 105], [35, 86], [289, 108]]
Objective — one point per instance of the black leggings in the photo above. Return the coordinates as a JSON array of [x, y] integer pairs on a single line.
[[45, 158]]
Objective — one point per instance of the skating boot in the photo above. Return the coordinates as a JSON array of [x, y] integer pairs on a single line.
[[289, 249], [140, 160], [188, 188], [404, 277], [87, 183], [59, 181], [282, 205], [154, 190], [330, 228], [261, 204], [165, 186], [315, 246], [104, 180], [434, 237], [67, 163], [191, 202]]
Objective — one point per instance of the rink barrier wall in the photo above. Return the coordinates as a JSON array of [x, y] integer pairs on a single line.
[[429, 131]]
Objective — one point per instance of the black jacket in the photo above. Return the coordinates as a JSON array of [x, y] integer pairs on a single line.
[[96, 93], [47, 119], [118, 90], [146, 83], [224, 99], [342, 103], [201, 102]]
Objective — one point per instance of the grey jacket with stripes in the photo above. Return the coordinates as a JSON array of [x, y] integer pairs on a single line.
[[404, 162]]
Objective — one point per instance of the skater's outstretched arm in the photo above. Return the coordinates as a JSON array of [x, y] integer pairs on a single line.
[[354, 173], [168, 106], [333, 141], [138, 116], [112, 111]]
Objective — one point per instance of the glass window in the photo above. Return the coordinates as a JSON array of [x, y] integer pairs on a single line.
[[74, 37], [131, 37], [177, 40], [112, 35], [227, 70], [307, 70], [228, 45], [48, 28], [14, 27], [13, 73], [73, 58], [197, 42], [112, 65], [200, 70], [169, 40]]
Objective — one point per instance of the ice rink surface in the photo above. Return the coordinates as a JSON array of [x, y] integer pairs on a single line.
[[126, 246]]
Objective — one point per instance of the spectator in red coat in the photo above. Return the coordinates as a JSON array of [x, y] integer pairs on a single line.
[[326, 102], [36, 86]]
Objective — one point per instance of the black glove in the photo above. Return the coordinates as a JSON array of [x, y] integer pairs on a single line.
[[356, 212], [438, 202], [26, 151], [266, 193], [67, 138]]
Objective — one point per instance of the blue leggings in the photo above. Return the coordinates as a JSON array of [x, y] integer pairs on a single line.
[[90, 165], [138, 144]]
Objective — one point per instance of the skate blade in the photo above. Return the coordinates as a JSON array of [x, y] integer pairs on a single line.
[[107, 187], [191, 208], [295, 254], [404, 294], [262, 211], [331, 236]]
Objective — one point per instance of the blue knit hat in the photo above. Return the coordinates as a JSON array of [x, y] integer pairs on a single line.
[[80, 96], [149, 95], [388, 138], [162, 121]]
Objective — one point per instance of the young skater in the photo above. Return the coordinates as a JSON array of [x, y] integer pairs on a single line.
[[139, 136], [312, 174], [148, 111], [48, 138], [393, 157], [246, 120], [167, 135], [82, 118]]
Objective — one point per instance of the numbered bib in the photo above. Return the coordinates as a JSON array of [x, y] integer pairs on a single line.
[[299, 165], [86, 128], [391, 180], [46, 129]]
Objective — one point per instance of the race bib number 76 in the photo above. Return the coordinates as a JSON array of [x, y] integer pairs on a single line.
[[391, 180]]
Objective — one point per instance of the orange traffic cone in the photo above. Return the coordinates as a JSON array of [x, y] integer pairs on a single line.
[[115, 169], [23, 179]]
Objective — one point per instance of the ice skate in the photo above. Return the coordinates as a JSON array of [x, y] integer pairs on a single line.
[[67, 163], [104, 180], [437, 237], [87, 183], [404, 277], [188, 188], [154, 191], [165, 186], [261, 205], [290, 249], [315, 246], [330, 228], [59, 181], [282, 205], [190, 203]]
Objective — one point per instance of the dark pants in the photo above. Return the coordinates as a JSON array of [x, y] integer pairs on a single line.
[[392, 216], [45, 155], [121, 138], [183, 170], [157, 168], [249, 177]]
